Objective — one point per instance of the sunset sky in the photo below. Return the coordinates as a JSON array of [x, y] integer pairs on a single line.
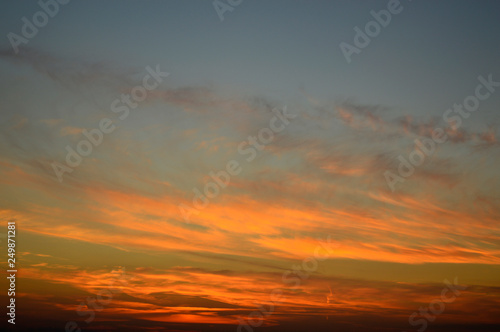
[[305, 142]]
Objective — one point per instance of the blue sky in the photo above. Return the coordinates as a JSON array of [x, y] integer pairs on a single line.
[[280, 46]]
